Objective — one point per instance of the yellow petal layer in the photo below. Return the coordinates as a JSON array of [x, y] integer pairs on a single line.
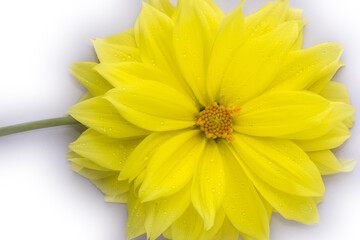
[[194, 34], [279, 163], [123, 73], [90, 173], [111, 186], [227, 232], [297, 115], [296, 14], [163, 177], [106, 181], [139, 158], [153, 31], [135, 225], [325, 76], [208, 187], [162, 213], [327, 162], [242, 204], [189, 226], [267, 18], [117, 48], [332, 139], [106, 152], [272, 15], [163, 5], [210, 233], [122, 198], [84, 162], [99, 114], [259, 60], [291, 207], [336, 92], [302, 67], [154, 106], [84, 72], [229, 37]]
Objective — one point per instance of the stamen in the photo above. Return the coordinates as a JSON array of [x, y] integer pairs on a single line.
[[216, 121]]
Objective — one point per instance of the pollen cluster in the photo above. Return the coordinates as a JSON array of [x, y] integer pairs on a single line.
[[216, 121]]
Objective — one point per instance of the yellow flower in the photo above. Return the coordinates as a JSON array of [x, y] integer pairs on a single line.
[[205, 123]]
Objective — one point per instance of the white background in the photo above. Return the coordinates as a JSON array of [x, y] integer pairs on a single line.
[[41, 198]]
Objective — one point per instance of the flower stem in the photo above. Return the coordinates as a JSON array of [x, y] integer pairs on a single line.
[[68, 120]]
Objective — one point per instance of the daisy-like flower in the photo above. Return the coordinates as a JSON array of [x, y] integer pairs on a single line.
[[206, 123]]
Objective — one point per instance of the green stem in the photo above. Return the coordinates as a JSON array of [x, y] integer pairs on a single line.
[[68, 120]]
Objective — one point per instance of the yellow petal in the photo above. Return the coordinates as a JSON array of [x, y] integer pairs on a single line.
[[341, 113], [106, 152], [126, 38], [189, 226], [135, 225], [139, 158], [124, 73], [259, 61], [163, 5], [242, 204], [297, 115], [272, 15], [106, 181], [302, 67], [90, 173], [86, 96], [99, 114], [138, 181], [229, 37], [167, 234], [154, 35], [325, 76], [84, 72], [154, 106], [227, 232], [296, 14], [327, 162], [218, 223], [269, 209], [163, 177], [194, 34], [121, 198], [208, 187], [153, 31], [279, 163], [267, 18], [332, 139], [162, 213], [117, 48], [301, 209], [111, 186], [84, 162], [336, 92]]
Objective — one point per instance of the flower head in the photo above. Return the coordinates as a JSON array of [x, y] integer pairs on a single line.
[[205, 123]]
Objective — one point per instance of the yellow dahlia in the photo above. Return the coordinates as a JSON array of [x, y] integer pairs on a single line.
[[206, 123]]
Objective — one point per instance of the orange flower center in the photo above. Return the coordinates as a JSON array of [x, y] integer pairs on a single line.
[[216, 121]]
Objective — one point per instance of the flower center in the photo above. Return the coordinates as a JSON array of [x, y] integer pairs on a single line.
[[216, 121]]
